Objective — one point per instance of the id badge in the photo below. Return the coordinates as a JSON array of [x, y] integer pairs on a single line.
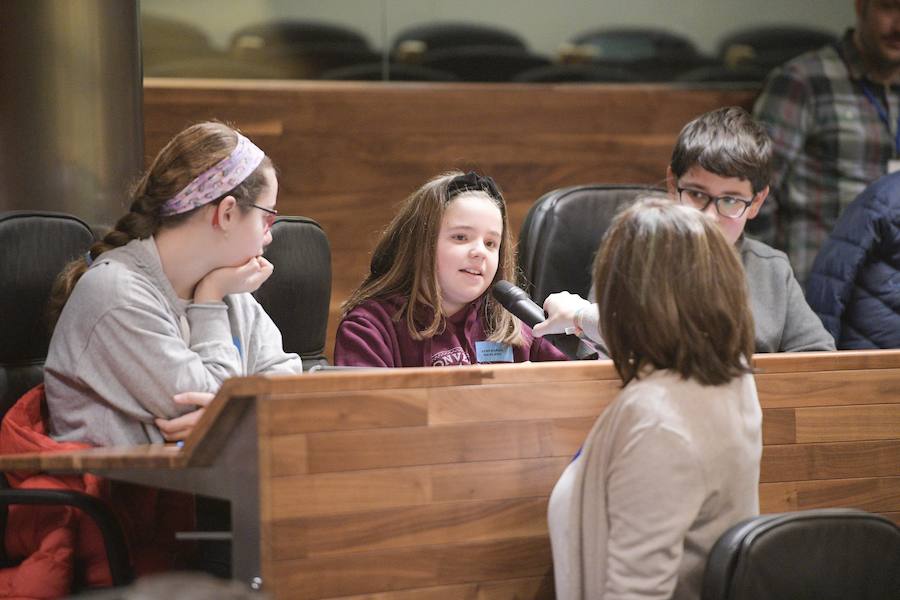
[[493, 352], [893, 165]]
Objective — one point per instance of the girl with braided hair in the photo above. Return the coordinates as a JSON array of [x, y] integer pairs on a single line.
[[160, 312]]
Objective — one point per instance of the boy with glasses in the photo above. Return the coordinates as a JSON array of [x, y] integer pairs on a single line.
[[721, 165]]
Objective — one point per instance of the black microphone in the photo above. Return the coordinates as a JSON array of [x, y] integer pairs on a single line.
[[516, 301]]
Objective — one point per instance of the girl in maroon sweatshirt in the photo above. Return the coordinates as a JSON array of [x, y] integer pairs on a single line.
[[425, 301]]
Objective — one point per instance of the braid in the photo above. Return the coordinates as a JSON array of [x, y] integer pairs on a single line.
[[188, 154]]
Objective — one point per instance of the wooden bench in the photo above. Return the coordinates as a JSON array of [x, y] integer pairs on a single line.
[[433, 483]]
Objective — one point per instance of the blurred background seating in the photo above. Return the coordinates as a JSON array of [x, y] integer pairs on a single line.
[[649, 54], [484, 63], [166, 41], [301, 49], [765, 48], [468, 51], [375, 71], [412, 44]]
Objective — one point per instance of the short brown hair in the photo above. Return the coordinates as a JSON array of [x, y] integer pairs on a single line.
[[726, 142], [672, 295], [404, 260]]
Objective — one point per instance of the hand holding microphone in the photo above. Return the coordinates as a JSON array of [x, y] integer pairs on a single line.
[[564, 312], [567, 313], [563, 309], [516, 301]]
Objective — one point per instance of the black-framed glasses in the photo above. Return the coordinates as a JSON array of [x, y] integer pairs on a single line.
[[727, 206], [271, 213]]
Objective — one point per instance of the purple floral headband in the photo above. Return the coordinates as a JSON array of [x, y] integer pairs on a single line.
[[225, 175]]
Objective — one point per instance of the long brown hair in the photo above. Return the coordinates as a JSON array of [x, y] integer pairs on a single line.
[[404, 263], [672, 295], [187, 155]]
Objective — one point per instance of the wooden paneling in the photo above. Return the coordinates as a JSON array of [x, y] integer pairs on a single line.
[[428, 445], [438, 523], [824, 388], [433, 483], [839, 460], [348, 153], [403, 568], [452, 503], [533, 588]]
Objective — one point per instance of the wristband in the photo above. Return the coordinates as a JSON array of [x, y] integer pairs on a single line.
[[578, 328], [576, 320]]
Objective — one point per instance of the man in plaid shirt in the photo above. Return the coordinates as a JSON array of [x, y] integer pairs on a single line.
[[833, 118]]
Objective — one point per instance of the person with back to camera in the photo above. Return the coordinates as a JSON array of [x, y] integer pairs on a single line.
[[425, 301], [163, 314], [674, 460], [720, 165]]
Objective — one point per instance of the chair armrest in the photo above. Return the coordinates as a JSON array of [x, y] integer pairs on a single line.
[[113, 539]]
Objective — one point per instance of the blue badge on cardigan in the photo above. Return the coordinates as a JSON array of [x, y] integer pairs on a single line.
[[493, 352]]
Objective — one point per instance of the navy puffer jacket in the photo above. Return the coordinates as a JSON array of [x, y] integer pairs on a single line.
[[854, 286]]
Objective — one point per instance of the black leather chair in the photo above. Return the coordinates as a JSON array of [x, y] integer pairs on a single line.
[[559, 239], [647, 53], [484, 63], [35, 248], [767, 47], [298, 294], [414, 42], [562, 232], [635, 43], [261, 39], [300, 49], [826, 554]]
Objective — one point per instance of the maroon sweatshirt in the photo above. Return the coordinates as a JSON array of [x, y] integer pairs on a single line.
[[369, 337]]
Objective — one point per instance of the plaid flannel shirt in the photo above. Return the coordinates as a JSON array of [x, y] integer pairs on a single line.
[[829, 143]]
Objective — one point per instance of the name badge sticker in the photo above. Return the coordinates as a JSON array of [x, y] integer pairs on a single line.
[[893, 165], [493, 352]]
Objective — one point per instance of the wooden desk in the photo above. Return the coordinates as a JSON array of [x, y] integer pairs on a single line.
[[433, 483]]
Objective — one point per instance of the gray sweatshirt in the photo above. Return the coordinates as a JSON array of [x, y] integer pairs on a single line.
[[125, 344], [782, 319]]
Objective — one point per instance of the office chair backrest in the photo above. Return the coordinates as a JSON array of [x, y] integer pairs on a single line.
[[35, 248], [562, 232], [436, 36], [165, 40], [770, 46], [261, 39], [627, 44], [484, 63], [826, 554], [298, 294]]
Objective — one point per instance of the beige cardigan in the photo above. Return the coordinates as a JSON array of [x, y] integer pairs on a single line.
[[666, 469]]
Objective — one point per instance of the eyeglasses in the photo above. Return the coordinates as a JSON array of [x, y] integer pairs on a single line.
[[727, 206], [271, 212]]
